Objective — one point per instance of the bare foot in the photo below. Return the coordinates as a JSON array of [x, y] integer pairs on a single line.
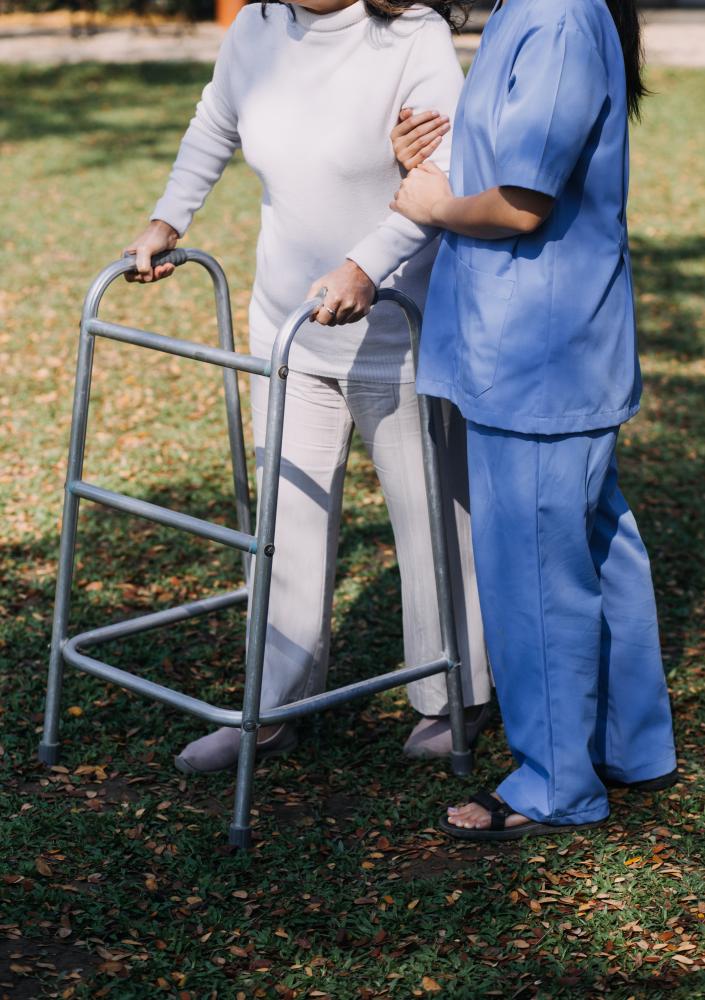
[[474, 817]]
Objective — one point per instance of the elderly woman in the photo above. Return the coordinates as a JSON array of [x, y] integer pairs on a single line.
[[310, 94]]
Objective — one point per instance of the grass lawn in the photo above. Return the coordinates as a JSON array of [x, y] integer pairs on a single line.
[[115, 875]]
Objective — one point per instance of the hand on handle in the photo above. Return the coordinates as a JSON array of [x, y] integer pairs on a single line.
[[349, 295], [156, 237]]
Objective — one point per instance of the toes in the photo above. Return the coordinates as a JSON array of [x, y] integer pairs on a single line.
[[469, 816], [471, 812], [468, 822]]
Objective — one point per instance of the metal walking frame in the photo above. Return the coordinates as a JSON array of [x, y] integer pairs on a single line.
[[73, 651]]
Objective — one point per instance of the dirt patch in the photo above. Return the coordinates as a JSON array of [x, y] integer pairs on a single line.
[[112, 791], [26, 965], [340, 807], [439, 863]]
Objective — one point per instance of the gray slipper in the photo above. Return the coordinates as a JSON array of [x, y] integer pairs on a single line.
[[431, 736], [219, 751]]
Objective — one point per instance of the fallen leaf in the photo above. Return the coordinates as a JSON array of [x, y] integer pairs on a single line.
[[42, 867]]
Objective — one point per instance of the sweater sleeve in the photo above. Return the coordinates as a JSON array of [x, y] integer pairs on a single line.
[[434, 80], [206, 148]]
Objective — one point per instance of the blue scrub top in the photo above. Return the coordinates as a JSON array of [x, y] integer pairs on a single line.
[[536, 333]]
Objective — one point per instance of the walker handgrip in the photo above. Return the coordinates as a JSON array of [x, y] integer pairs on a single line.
[[176, 257]]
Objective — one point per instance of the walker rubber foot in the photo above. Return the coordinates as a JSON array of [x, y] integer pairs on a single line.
[[462, 763], [240, 838], [49, 753]]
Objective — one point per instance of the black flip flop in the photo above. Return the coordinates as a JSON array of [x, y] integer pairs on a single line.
[[498, 830], [648, 785]]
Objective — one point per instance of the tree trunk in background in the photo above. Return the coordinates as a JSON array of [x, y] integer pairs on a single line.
[[227, 10]]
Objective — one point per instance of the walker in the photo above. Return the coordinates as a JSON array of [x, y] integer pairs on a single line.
[[75, 650]]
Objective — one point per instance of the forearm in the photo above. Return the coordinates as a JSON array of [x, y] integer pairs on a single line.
[[394, 241], [202, 157], [207, 146], [495, 214]]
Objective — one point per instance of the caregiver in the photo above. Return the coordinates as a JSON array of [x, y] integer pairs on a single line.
[[310, 94], [530, 329]]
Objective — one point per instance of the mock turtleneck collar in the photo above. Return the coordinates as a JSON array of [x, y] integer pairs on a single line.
[[336, 21]]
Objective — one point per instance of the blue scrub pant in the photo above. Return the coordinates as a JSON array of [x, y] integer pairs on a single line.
[[570, 620]]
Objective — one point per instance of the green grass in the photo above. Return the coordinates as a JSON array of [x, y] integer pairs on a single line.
[[115, 877]]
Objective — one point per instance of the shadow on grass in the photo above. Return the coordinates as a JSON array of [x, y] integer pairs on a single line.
[[128, 567], [346, 820], [663, 474], [670, 291], [101, 103]]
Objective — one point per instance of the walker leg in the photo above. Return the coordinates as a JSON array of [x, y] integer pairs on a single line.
[[49, 750], [233, 411], [240, 834], [461, 755]]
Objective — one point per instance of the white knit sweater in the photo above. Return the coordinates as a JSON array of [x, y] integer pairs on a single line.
[[311, 100]]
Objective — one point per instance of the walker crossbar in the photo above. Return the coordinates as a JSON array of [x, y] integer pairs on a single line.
[[230, 717], [162, 515], [183, 348], [256, 591]]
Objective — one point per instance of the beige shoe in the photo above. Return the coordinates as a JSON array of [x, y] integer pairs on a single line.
[[431, 737], [220, 750]]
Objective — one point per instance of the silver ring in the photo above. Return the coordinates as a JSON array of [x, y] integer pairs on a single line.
[[331, 311]]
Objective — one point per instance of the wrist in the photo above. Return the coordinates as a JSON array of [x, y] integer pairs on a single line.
[[356, 269], [440, 211], [164, 227]]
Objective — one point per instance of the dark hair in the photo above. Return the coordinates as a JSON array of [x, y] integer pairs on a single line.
[[626, 18], [455, 12]]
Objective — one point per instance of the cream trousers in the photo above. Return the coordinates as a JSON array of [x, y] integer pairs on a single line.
[[321, 414]]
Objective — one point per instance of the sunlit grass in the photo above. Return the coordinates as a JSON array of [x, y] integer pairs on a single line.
[[123, 872]]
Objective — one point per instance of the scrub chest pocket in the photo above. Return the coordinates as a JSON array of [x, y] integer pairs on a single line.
[[482, 301]]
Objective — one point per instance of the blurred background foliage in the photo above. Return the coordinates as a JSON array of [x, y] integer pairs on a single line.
[[192, 9]]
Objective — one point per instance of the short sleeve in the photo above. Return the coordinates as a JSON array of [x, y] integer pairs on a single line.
[[557, 89]]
